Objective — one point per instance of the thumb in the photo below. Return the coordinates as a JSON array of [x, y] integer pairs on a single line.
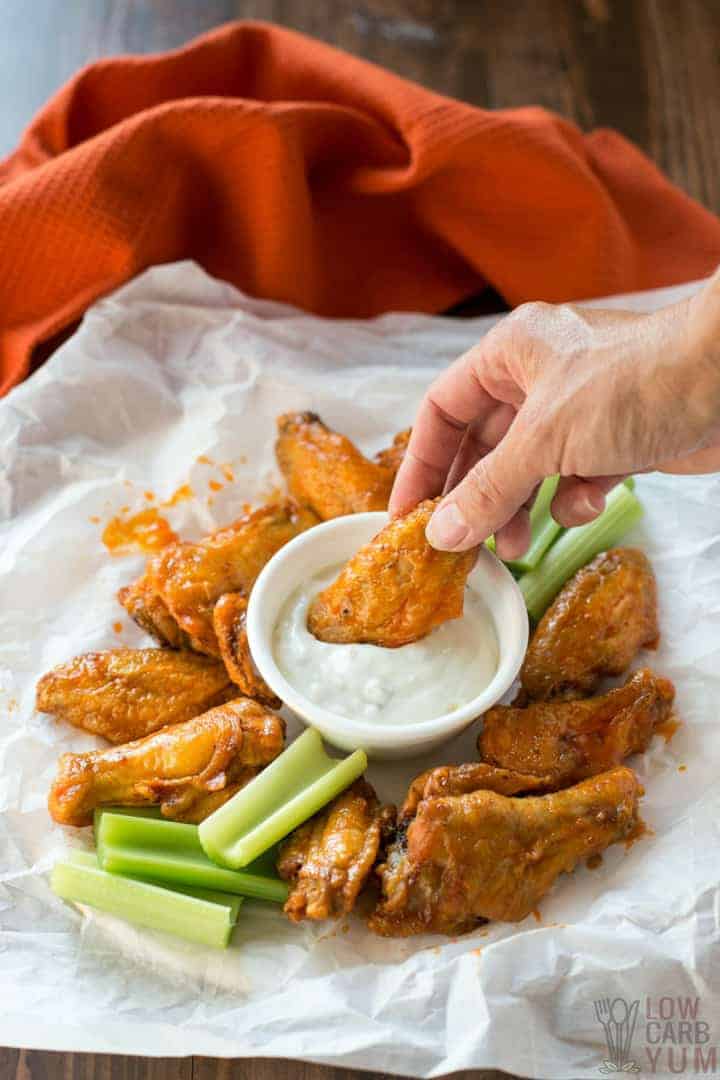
[[488, 496]]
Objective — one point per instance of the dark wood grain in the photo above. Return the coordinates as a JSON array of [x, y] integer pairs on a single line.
[[650, 68], [36, 1065]]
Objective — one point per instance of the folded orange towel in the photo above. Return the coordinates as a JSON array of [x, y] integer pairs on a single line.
[[303, 174]]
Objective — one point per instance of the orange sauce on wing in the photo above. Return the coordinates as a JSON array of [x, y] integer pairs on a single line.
[[639, 829], [668, 728], [144, 531]]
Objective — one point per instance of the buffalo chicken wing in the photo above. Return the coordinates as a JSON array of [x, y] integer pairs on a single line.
[[187, 769], [566, 741], [395, 590], [464, 859], [330, 857], [327, 472], [125, 694], [595, 627]]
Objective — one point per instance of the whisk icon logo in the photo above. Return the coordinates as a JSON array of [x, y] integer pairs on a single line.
[[618, 1018]]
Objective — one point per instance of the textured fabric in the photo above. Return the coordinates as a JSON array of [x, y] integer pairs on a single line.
[[303, 174]]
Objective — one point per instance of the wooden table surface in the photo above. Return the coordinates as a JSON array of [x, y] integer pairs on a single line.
[[647, 67]]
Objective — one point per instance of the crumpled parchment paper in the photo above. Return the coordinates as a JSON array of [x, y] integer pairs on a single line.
[[176, 366]]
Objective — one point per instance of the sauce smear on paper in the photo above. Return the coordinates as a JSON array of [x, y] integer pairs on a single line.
[[179, 495], [144, 531]]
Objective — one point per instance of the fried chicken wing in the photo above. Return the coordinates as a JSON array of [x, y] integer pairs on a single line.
[[150, 612], [392, 456], [327, 472], [189, 579], [189, 769], [394, 590], [599, 621], [465, 859], [231, 633], [462, 779], [124, 694], [566, 741], [330, 857]]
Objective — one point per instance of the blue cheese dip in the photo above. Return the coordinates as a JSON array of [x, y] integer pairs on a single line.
[[416, 682]]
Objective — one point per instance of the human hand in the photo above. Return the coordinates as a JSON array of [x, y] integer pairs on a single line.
[[590, 394]]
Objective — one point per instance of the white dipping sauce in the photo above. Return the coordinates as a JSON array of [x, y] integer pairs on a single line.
[[416, 682]]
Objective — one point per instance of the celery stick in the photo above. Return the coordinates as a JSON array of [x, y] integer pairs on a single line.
[[543, 529], [193, 917], [287, 792], [170, 853], [214, 896], [577, 546]]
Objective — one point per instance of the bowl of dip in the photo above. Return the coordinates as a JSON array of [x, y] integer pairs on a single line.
[[390, 702]]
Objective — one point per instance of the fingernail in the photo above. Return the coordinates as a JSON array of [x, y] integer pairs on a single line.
[[447, 527]]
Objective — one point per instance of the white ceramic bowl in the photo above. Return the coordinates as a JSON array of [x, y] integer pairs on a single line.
[[334, 542]]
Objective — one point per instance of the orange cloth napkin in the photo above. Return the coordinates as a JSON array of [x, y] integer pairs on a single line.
[[300, 173]]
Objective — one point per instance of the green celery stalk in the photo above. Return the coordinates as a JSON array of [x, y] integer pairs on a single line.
[[215, 896], [170, 853], [196, 914], [287, 792], [544, 529], [577, 546]]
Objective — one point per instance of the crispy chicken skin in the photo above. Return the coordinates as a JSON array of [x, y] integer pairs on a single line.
[[464, 859], [394, 590], [125, 694], [150, 612], [392, 456], [189, 578], [566, 741], [330, 857], [599, 621], [462, 779], [231, 633], [189, 769], [327, 472]]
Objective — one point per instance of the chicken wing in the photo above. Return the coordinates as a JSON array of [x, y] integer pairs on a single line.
[[330, 857], [150, 612], [189, 579], [462, 779], [602, 617], [566, 741], [189, 769], [394, 590], [231, 633], [465, 859], [327, 472], [124, 694], [392, 456]]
